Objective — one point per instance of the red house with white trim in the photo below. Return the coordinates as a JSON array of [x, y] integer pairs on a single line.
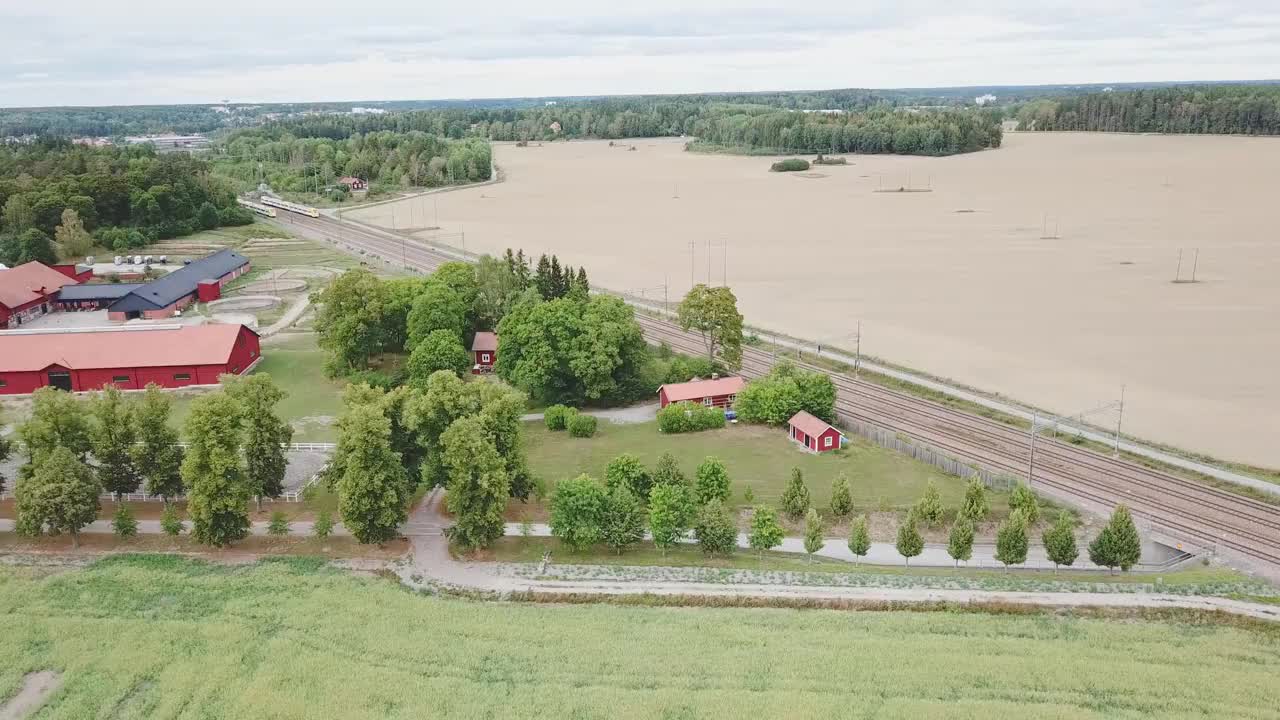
[[484, 349], [129, 358], [716, 392], [813, 433], [29, 291]]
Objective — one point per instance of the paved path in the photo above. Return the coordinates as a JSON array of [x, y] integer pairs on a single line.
[[617, 416], [152, 527], [289, 318]]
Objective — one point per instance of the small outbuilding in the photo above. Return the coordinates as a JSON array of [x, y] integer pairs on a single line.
[[353, 183], [717, 392], [484, 351], [814, 433]]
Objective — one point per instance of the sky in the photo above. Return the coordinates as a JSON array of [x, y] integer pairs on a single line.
[[96, 52]]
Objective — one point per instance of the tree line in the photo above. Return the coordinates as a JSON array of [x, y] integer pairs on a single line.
[[77, 449], [1216, 109], [292, 160], [120, 197]]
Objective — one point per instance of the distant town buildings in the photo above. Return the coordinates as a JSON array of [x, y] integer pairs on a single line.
[[367, 111], [984, 99]]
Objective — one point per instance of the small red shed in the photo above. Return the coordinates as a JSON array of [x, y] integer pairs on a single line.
[[353, 183], [813, 433], [484, 349], [716, 392]]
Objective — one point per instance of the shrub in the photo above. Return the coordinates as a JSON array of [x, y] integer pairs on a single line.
[[1024, 499], [375, 379], [1011, 540], [668, 472], [557, 417], [685, 417], [123, 524], [170, 523], [824, 160], [323, 525], [841, 501], [670, 510], [929, 506], [279, 524], [715, 530], [623, 520], [789, 165], [765, 533], [581, 426]]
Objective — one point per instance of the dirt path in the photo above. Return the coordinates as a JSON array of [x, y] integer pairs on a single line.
[[36, 689], [618, 416]]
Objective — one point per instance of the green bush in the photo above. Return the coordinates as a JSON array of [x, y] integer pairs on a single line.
[[376, 379], [170, 523], [685, 417], [279, 525], [581, 426], [789, 165], [786, 390], [123, 524], [557, 416], [324, 524]]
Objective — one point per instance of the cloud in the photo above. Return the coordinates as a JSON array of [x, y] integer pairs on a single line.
[[88, 52]]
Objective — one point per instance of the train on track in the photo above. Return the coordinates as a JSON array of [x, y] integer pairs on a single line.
[[257, 209], [291, 207]]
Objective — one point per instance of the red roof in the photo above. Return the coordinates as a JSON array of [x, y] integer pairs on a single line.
[[698, 389], [484, 342], [98, 348], [21, 285], [809, 425]]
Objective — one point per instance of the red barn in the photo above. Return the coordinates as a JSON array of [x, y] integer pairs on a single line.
[[484, 348], [86, 359], [813, 433], [168, 294], [29, 291], [353, 183], [716, 392]]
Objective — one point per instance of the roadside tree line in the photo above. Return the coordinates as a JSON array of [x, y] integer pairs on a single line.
[[77, 449]]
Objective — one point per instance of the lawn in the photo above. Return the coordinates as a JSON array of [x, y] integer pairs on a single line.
[[297, 366], [757, 457], [165, 637]]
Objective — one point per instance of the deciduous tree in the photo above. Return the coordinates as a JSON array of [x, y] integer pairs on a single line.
[[1023, 499], [786, 390], [960, 541], [1118, 545], [715, 530], [437, 307], [478, 485], [813, 540], [975, 505], [72, 239], [578, 512], [124, 524], [170, 523], [841, 501], [929, 507], [265, 434], [157, 454], [713, 312], [859, 538], [795, 498], [6, 449], [350, 320], [909, 543], [1011, 540], [58, 419], [667, 472], [766, 533], [626, 470], [670, 508], [1060, 541], [624, 519], [439, 350], [712, 481], [218, 490], [61, 495], [373, 490]]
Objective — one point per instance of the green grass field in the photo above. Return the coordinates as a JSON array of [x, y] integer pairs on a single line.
[[297, 366], [757, 457], [165, 637]]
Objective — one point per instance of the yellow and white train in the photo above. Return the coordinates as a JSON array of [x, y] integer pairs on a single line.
[[254, 207], [291, 207]]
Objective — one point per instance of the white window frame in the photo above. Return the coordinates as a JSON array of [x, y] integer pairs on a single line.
[[826, 441], [708, 402], [484, 357]]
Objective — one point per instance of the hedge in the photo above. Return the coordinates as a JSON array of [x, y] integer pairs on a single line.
[[685, 417], [582, 426], [789, 165]]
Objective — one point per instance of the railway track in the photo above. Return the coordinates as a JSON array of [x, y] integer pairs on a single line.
[[1181, 508]]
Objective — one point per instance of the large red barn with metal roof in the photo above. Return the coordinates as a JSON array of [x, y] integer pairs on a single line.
[[129, 358], [29, 291]]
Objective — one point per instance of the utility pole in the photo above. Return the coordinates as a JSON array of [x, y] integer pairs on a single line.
[[1195, 264], [1031, 467], [725, 268], [857, 353], [708, 262], [1177, 276], [1119, 419], [666, 283], [692, 260]]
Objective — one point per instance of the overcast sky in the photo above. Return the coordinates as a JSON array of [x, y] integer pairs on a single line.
[[101, 52]]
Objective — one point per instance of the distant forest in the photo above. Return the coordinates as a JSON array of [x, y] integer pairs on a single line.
[[1219, 109], [310, 155], [123, 196]]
